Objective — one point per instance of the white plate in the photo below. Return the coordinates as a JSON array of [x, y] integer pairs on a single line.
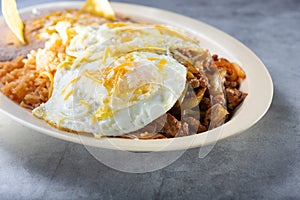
[[258, 85]]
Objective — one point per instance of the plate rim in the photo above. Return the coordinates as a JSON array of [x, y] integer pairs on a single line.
[[153, 145]]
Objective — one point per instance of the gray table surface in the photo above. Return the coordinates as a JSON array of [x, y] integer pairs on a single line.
[[261, 163]]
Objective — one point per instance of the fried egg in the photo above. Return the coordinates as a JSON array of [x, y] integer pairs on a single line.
[[117, 78]]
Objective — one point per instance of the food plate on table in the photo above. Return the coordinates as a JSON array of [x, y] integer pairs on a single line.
[[258, 84]]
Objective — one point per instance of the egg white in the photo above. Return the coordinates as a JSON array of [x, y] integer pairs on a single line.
[[118, 79]]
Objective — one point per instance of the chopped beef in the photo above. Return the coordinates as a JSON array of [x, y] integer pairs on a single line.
[[195, 83], [231, 84], [172, 126], [195, 125], [234, 97]]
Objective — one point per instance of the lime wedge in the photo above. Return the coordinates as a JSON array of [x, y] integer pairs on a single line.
[[99, 7], [13, 19]]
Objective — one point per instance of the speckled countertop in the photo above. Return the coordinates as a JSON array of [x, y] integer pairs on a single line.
[[261, 163]]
